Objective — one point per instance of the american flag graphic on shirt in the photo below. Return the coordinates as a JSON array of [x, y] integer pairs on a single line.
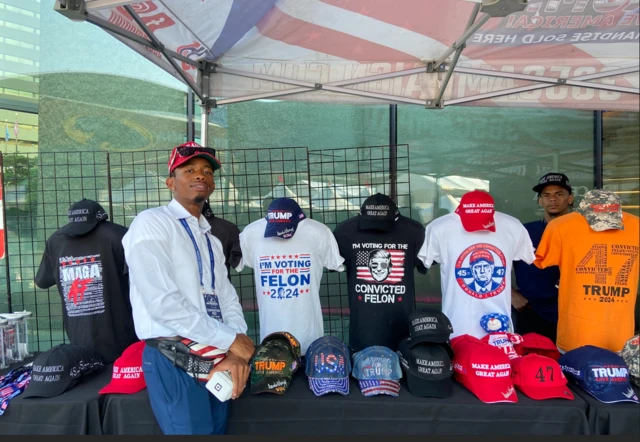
[[397, 267]]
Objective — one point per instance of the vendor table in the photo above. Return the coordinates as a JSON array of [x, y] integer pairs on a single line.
[[82, 410]]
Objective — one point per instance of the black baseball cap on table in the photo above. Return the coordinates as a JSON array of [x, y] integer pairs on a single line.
[[378, 212], [428, 368], [428, 325], [83, 217], [553, 179], [59, 369]]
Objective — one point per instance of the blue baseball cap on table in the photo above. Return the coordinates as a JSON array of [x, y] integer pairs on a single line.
[[377, 370], [600, 372], [283, 216], [328, 366]]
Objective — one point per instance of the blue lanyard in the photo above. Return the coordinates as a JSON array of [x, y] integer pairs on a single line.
[[199, 258]]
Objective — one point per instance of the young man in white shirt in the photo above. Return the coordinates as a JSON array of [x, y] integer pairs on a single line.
[[179, 289]]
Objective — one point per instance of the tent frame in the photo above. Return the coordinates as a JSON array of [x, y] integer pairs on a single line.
[[78, 10]]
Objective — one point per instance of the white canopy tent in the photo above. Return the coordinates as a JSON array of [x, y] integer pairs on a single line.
[[580, 54]]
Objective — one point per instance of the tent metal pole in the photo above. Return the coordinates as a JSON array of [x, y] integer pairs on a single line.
[[292, 82], [190, 115], [472, 18], [160, 47], [350, 82], [97, 5], [577, 81], [298, 90], [534, 87], [435, 66], [205, 103], [598, 152], [393, 151], [377, 77], [342, 90], [104, 24]]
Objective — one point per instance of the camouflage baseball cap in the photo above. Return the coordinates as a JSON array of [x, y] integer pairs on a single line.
[[272, 367], [631, 355], [602, 209]]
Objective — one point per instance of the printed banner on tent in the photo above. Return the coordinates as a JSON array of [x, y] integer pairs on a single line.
[[323, 41]]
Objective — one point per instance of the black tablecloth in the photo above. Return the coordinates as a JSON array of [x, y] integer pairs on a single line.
[[619, 418], [76, 411], [300, 412], [82, 410]]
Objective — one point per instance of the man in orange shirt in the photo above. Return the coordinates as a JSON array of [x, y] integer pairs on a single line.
[[596, 248]]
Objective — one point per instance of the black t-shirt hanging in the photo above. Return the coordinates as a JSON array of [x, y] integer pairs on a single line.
[[89, 271], [229, 235], [380, 280]]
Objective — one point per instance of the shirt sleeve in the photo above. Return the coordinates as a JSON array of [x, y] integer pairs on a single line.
[[45, 277], [419, 240], [430, 250], [235, 251], [549, 250], [151, 272], [524, 250], [246, 257], [331, 257]]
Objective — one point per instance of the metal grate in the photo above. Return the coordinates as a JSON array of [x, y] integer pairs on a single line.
[[330, 185]]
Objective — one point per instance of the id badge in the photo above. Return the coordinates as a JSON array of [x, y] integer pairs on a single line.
[[213, 306]]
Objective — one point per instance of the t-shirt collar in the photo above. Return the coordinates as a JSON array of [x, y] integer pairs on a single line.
[[180, 212]]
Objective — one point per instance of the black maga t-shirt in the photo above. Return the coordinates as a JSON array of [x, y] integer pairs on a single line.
[[89, 271], [380, 280]]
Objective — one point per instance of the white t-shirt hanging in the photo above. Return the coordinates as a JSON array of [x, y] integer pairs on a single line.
[[475, 268], [287, 276]]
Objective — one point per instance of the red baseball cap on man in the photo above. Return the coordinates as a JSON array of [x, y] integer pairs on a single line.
[[539, 377], [184, 152], [537, 344], [127, 377], [476, 211], [483, 369]]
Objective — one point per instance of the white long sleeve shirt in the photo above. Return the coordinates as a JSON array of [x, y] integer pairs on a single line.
[[165, 291]]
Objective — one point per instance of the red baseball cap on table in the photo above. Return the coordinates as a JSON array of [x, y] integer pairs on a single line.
[[184, 152], [476, 210], [540, 377], [127, 377], [483, 369], [537, 344]]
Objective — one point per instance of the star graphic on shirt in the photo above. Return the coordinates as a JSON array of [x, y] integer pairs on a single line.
[[272, 256], [77, 261], [278, 257], [290, 256], [93, 259], [297, 256], [360, 298], [400, 299], [85, 260], [62, 264]]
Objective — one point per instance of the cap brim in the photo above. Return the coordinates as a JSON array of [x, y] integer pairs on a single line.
[[538, 188], [271, 231], [215, 164], [79, 229], [112, 389], [373, 387], [493, 391], [322, 386], [263, 385], [370, 224], [617, 393], [614, 224], [46, 389], [539, 394], [440, 338], [422, 387], [477, 224]]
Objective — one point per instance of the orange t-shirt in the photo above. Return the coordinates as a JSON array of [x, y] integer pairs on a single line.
[[598, 280]]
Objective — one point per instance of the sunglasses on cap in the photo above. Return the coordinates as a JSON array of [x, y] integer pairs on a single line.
[[187, 151]]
